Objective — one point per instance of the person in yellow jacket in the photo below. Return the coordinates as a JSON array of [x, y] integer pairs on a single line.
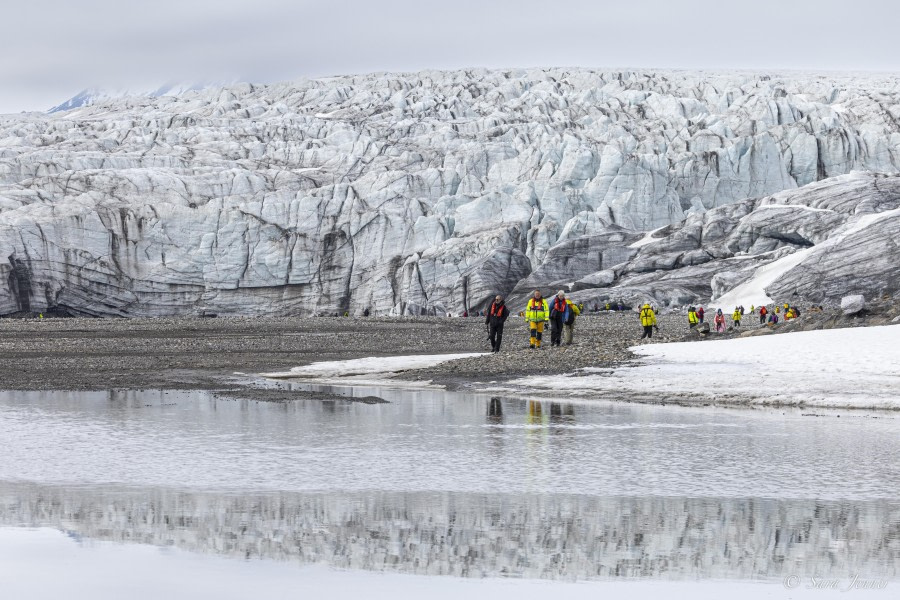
[[693, 319], [736, 317], [537, 314], [648, 320]]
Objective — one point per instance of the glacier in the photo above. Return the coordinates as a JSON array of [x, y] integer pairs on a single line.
[[428, 193]]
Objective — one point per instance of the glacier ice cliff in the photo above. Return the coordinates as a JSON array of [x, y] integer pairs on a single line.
[[427, 193]]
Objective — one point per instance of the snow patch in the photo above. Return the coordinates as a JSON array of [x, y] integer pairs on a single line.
[[753, 291], [380, 366], [838, 368], [648, 238], [793, 207]]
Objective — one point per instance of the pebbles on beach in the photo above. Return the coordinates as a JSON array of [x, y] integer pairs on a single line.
[[206, 353], [222, 353]]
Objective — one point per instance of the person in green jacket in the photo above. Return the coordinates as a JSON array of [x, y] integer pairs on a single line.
[[537, 314]]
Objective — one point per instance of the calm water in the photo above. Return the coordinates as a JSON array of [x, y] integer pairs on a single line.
[[454, 484]]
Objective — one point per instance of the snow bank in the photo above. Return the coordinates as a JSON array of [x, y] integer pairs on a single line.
[[841, 368], [647, 239], [753, 291], [374, 368]]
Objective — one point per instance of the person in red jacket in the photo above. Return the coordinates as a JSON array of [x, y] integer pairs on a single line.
[[494, 321], [700, 314]]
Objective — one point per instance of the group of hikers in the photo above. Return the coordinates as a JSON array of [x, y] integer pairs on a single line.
[[767, 316], [559, 315]]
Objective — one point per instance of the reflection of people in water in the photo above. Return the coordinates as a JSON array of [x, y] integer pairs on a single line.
[[558, 413], [495, 408], [495, 417], [535, 416], [561, 410], [561, 413]]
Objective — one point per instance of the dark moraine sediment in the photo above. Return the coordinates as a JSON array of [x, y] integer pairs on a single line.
[[99, 354]]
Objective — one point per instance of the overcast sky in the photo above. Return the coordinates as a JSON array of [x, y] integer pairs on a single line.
[[51, 49]]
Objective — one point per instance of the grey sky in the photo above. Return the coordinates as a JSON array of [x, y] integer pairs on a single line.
[[51, 49]]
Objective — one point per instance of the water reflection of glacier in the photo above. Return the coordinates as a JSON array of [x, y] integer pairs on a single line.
[[474, 535]]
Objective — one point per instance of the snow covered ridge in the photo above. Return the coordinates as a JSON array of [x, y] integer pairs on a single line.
[[428, 193], [836, 368], [91, 96]]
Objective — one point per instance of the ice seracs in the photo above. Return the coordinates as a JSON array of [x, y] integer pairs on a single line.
[[428, 193]]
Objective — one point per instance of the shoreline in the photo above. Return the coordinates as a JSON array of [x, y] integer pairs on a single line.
[[195, 353], [227, 355]]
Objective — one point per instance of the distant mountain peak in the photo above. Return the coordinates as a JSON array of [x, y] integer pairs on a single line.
[[91, 96]]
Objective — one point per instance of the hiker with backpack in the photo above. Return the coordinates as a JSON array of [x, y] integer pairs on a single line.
[[736, 317], [763, 311], [700, 314], [572, 311], [558, 309], [648, 321], [496, 317]]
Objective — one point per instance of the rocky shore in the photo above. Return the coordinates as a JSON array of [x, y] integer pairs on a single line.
[[191, 353], [185, 353], [219, 354]]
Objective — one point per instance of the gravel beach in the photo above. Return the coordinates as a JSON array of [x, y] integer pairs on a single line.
[[102, 354], [99, 354]]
